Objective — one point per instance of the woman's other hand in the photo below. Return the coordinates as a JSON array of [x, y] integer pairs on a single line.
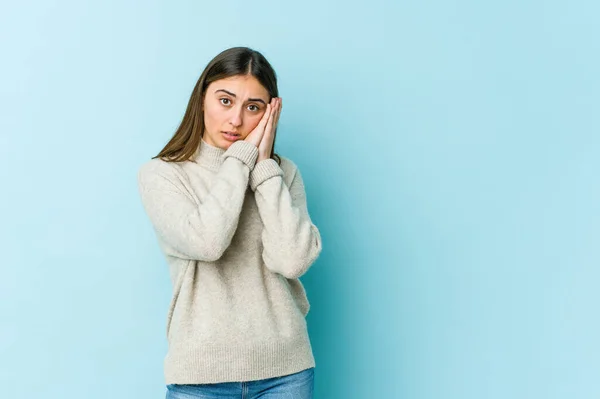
[[264, 133]]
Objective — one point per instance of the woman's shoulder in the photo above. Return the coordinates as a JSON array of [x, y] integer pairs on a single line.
[[155, 166], [287, 165], [290, 169], [157, 170]]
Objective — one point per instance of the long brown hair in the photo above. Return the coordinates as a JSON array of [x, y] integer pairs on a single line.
[[231, 62]]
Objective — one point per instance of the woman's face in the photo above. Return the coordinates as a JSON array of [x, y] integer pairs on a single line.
[[235, 105]]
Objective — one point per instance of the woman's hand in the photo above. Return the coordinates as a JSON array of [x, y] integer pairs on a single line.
[[266, 144], [263, 134]]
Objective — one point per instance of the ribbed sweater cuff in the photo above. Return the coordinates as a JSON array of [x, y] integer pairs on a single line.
[[263, 171], [244, 151]]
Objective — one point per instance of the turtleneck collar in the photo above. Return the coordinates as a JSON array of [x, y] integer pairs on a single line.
[[209, 155]]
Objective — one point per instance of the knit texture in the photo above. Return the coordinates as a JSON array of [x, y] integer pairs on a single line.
[[237, 236]]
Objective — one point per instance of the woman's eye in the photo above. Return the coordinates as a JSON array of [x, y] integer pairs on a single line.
[[224, 99], [255, 107]]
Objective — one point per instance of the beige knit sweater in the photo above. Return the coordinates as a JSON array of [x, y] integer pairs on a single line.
[[237, 236]]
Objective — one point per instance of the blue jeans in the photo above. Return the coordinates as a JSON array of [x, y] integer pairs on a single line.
[[293, 386]]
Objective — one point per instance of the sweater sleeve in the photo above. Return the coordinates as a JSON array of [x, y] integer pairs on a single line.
[[291, 242], [198, 231]]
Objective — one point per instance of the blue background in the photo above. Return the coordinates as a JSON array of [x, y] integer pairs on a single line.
[[451, 157]]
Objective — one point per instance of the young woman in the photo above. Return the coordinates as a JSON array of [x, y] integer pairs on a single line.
[[231, 218]]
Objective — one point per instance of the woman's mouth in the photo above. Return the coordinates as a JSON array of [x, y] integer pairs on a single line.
[[231, 136]]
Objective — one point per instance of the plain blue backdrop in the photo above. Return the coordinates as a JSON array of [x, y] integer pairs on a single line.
[[451, 156]]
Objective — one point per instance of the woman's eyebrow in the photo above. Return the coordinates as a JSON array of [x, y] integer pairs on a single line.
[[233, 95]]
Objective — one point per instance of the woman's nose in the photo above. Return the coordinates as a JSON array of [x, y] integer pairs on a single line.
[[236, 117]]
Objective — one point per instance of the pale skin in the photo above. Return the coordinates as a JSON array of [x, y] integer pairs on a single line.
[[241, 104]]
